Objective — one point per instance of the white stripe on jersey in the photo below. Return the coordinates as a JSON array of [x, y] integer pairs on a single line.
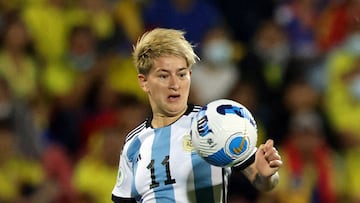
[[159, 165], [135, 131]]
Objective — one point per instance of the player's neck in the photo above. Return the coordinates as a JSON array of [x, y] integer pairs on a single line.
[[161, 120]]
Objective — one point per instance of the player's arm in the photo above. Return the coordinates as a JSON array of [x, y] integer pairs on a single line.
[[259, 181], [263, 172], [122, 190]]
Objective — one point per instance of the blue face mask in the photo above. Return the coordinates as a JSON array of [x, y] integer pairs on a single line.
[[353, 43], [278, 54], [354, 87], [218, 51], [82, 62]]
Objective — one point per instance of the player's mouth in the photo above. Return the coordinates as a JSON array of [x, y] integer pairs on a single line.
[[174, 97]]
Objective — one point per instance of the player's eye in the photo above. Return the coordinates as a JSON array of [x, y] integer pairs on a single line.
[[182, 74], [163, 76]]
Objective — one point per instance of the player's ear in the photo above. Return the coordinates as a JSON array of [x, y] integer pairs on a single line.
[[143, 82]]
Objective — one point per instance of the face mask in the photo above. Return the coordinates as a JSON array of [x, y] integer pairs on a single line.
[[353, 43], [278, 54], [218, 51], [83, 62], [354, 87]]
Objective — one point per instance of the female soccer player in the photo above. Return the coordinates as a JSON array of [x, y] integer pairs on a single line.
[[157, 163]]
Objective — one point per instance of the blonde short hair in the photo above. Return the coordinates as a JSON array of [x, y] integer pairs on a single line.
[[161, 42]]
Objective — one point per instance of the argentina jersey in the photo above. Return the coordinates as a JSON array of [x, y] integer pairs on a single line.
[[158, 165]]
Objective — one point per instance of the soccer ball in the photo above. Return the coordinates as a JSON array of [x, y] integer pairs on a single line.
[[224, 133]]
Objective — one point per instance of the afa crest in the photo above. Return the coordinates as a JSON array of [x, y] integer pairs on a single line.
[[120, 177], [187, 145]]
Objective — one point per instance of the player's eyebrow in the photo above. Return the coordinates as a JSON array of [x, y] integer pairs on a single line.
[[183, 69], [167, 70]]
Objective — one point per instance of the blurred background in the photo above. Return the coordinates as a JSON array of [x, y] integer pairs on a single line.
[[69, 93]]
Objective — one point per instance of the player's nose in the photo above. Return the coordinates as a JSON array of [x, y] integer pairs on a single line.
[[174, 83]]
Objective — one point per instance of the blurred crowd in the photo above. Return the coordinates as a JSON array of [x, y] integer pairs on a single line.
[[69, 93]]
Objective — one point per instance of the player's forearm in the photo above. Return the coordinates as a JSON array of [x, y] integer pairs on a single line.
[[265, 183], [260, 182]]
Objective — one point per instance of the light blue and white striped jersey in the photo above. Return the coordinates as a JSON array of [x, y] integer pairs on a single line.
[[159, 166]]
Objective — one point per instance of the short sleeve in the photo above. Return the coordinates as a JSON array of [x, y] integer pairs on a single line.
[[124, 178]]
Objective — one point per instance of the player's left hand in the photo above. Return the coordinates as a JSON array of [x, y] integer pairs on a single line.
[[267, 161]]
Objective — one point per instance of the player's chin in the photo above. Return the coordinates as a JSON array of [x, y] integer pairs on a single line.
[[174, 109]]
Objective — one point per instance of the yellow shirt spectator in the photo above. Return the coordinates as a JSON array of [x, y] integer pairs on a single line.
[[94, 175], [121, 76], [49, 26], [23, 80], [344, 112], [14, 174]]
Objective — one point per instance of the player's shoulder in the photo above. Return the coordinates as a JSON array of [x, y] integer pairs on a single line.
[[136, 131], [193, 109], [196, 108]]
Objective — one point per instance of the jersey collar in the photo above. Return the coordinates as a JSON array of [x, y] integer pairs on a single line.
[[189, 109]]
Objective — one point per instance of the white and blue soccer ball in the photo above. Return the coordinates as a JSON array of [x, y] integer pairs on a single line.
[[224, 133]]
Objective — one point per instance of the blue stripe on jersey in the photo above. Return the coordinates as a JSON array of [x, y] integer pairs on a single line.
[[202, 180], [133, 155], [164, 192]]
